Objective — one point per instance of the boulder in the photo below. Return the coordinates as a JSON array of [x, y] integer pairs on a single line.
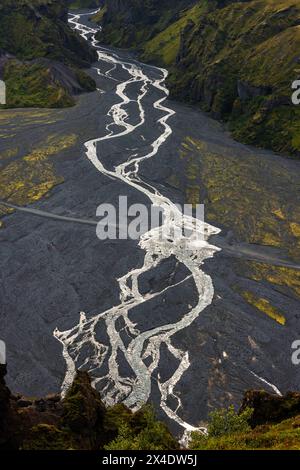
[[268, 408]]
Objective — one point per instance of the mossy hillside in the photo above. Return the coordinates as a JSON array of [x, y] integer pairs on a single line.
[[31, 86], [266, 215], [255, 44], [263, 422], [98, 17], [38, 28], [236, 59], [37, 35], [283, 436], [130, 23], [281, 277], [164, 47], [265, 306], [28, 179]]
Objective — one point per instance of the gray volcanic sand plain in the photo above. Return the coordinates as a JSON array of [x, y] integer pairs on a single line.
[[52, 270]]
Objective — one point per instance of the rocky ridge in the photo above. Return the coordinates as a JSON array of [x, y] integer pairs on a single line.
[[81, 421], [41, 58]]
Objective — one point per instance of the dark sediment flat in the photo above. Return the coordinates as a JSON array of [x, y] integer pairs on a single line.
[[51, 269]]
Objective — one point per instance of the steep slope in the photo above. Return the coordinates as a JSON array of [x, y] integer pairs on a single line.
[[237, 59], [273, 423], [38, 28], [40, 56], [129, 23]]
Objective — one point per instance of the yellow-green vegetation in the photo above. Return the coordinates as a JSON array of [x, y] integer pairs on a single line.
[[222, 423], [80, 421], [84, 423], [241, 195], [236, 59], [264, 305], [32, 86], [279, 276], [138, 431], [31, 177], [282, 436], [271, 423], [98, 17], [38, 28], [9, 153], [131, 23], [37, 34], [193, 172], [164, 47], [47, 436]]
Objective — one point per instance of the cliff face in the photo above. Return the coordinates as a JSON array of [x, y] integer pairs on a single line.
[[50, 422], [33, 31], [237, 59], [38, 28], [128, 23], [239, 63]]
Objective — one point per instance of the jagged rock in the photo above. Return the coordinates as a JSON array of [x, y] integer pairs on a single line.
[[9, 422], [83, 410], [269, 408], [76, 421]]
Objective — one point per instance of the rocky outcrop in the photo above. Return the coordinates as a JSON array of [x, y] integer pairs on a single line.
[[75, 421], [269, 408], [41, 52], [72, 80], [126, 21], [9, 421], [39, 29], [19, 414], [79, 421]]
